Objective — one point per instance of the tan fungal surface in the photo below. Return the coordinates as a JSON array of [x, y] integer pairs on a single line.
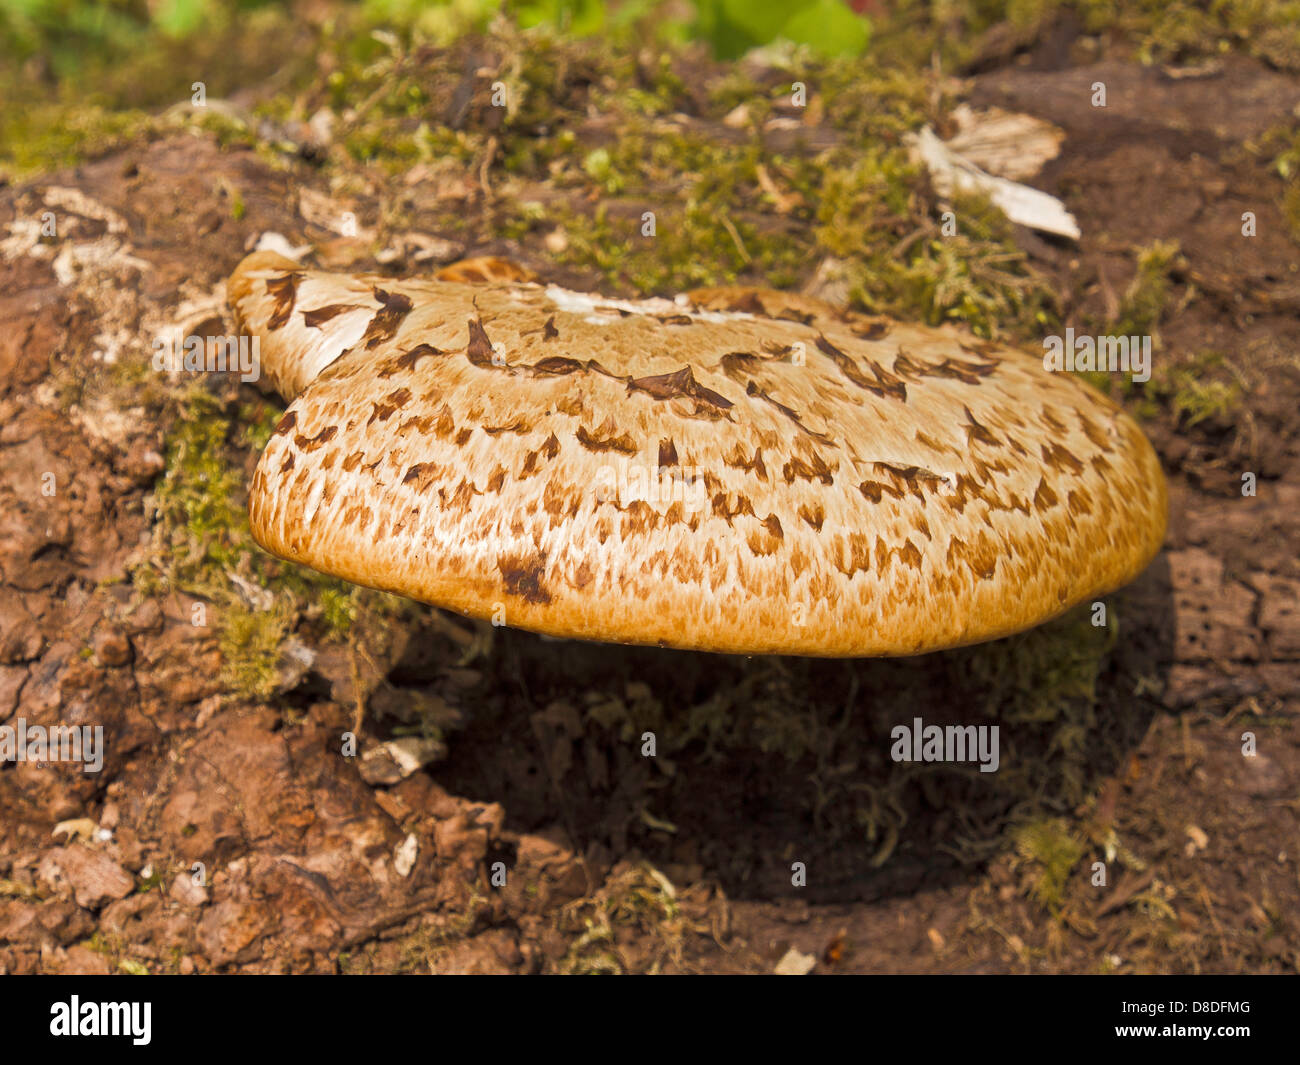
[[739, 470]]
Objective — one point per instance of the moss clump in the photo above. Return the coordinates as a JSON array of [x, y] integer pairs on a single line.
[[975, 276], [395, 151], [1204, 389], [1291, 208], [201, 528], [338, 608], [1034, 675], [50, 137], [728, 206], [47, 137], [877, 100], [637, 899], [754, 216], [1147, 295], [203, 546], [250, 642], [1184, 30], [1048, 851], [1144, 305], [696, 246], [1279, 148]]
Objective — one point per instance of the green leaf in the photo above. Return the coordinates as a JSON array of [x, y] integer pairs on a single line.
[[580, 18], [762, 19], [180, 17], [829, 27]]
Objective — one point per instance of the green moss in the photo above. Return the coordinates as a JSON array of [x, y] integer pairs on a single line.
[[876, 101], [1141, 310], [1203, 389], [201, 524], [1049, 850], [976, 277], [108, 945], [198, 504], [635, 898], [338, 608], [698, 245], [1038, 675], [599, 167], [1183, 30], [250, 642], [1279, 146], [716, 221], [49, 137], [1044, 681], [203, 545], [393, 148], [855, 205], [748, 214], [1147, 295], [1291, 208]]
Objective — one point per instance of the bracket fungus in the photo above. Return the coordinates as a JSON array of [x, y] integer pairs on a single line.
[[740, 470]]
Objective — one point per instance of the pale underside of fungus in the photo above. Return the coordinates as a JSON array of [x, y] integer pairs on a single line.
[[739, 470]]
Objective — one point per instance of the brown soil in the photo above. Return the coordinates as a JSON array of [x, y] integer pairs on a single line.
[[302, 856]]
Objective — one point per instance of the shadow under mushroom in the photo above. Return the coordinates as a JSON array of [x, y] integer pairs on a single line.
[[764, 762]]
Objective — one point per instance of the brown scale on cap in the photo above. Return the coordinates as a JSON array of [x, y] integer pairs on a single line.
[[741, 470]]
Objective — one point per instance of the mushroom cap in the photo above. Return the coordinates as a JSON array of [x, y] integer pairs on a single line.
[[740, 470]]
